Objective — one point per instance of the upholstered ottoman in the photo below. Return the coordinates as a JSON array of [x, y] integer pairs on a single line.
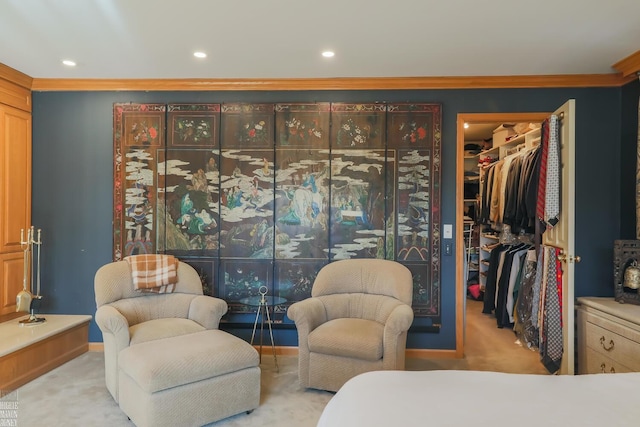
[[188, 380]]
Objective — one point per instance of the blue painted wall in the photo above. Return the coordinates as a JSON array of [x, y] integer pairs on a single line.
[[72, 181], [628, 159]]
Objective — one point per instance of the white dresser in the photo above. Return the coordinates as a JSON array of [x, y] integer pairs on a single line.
[[608, 336]]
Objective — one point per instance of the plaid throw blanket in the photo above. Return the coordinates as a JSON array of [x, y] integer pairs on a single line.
[[154, 273]]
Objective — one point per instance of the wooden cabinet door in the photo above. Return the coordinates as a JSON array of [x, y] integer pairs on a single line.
[[15, 176], [11, 276]]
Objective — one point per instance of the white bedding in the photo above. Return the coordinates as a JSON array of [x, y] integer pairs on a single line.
[[479, 399]]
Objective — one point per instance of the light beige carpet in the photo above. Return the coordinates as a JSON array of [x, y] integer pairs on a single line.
[[74, 395]]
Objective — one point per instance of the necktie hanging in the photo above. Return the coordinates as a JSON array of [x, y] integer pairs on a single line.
[[552, 190]]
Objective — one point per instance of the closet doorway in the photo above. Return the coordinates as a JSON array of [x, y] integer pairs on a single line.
[[464, 201]]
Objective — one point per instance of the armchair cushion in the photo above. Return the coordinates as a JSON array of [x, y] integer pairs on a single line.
[[357, 338], [162, 328], [185, 359]]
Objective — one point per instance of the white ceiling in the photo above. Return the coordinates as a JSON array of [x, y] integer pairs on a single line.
[[284, 38]]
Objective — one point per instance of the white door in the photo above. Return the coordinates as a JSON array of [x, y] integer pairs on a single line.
[[562, 234]]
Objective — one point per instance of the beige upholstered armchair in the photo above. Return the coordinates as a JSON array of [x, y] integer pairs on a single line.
[[355, 321], [127, 317]]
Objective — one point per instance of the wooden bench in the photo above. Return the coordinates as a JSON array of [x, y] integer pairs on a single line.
[[26, 352]]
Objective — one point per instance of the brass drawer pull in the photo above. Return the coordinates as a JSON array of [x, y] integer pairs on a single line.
[[611, 344], [604, 371]]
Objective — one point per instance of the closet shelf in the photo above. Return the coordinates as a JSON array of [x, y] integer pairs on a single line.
[[520, 139]]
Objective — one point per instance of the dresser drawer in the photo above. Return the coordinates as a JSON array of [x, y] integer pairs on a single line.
[[594, 362], [612, 345]]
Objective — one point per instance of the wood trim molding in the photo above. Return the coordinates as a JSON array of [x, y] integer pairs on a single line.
[[267, 351], [15, 95], [293, 351], [432, 354], [96, 346], [410, 353], [628, 66], [15, 76], [371, 83]]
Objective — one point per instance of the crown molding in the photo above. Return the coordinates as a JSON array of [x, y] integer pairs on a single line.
[[628, 66], [14, 76], [369, 83]]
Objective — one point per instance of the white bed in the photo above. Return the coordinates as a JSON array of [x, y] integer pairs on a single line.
[[479, 399]]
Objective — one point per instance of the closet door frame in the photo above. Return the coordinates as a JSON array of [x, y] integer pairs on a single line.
[[473, 118]]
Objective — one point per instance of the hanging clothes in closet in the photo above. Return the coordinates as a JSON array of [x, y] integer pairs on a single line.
[[524, 291], [509, 191], [504, 275]]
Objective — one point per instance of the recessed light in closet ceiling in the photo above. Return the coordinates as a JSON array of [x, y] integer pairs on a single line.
[[69, 63]]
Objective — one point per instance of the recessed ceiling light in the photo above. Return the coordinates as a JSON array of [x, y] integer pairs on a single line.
[[199, 54], [69, 63], [466, 125], [328, 54]]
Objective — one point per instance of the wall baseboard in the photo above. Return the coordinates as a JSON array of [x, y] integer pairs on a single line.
[[96, 346], [293, 351]]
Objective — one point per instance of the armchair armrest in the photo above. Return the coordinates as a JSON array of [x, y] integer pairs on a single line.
[[399, 320], [207, 311], [395, 336], [111, 321], [114, 327], [307, 314]]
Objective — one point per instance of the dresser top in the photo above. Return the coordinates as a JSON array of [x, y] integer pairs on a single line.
[[629, 312]]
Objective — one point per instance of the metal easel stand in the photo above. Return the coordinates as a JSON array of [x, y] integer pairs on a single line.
[[260, 313]]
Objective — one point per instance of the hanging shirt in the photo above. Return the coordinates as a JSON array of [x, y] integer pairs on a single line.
[[523, 312], [494, 208]]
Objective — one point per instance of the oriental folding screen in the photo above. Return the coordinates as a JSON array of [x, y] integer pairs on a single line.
[[264, 194]]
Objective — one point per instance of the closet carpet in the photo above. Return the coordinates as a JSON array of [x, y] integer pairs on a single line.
[[74, 395]]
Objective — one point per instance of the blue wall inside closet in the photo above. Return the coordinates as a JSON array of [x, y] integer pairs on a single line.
[[72, 181]]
